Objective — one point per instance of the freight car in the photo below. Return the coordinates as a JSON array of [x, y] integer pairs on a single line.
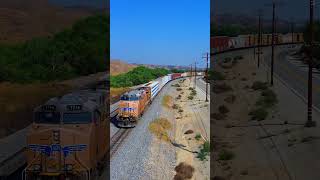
[[176, 76], [223, 43], [68, 139], [133, 103]]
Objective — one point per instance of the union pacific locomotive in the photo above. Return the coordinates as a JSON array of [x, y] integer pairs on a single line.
[[132, 104], [68, 139]]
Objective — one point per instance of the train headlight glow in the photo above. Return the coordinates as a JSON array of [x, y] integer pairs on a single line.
[[36, 167], [56, 136], [69, 167]]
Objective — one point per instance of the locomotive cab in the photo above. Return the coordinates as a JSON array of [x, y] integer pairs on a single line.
[[132, 105], [65, 138]]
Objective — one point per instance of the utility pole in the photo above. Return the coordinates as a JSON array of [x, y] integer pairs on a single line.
[[190, 72], [259, 40], [273, 31], [207, 59], [195, 74], [309, 122], [292, 36]]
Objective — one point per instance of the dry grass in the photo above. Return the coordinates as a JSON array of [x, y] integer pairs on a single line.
[[17, 102], [159, 128], [167, 101], [115, 93], [184, 171]]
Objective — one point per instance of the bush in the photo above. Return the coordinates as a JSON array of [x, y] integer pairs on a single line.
[[223, 109], [221, 88], [225, 155], [175, 106], [215, 75], [238, 58], [190, 97], [258, 85], [175, 85], [259, 114], [179, 89], [217, 116], [198, 137], [138, 75], [204, 151], [183, 171], [230, 99], [77, 51], [268, 99]]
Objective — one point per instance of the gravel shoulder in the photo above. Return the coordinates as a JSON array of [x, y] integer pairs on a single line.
[[193, 118], [279, 147], [143, 156]]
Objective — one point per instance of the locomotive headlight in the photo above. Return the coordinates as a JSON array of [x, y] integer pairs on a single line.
[[36, 167], [69, 167], [56, 135]]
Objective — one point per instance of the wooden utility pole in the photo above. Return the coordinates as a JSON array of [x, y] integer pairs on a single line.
[[195, 74], [273, 32], [292, 36], [207, 75], [259, 40], [309, 122], [190, 72]]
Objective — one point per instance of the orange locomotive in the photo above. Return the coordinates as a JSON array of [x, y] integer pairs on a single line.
[[68, 139], [132, 105]]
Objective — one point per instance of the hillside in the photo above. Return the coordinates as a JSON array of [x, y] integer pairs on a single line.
[[120, 67], [234, 24], [71, 53], [22, 20]]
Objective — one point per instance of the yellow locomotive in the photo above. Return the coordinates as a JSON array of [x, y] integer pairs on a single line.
[[69, 136]]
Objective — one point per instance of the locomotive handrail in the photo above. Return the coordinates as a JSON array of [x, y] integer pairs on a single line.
[[250, 47]]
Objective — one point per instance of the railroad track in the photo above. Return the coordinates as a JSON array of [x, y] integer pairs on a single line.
[[117, 139]]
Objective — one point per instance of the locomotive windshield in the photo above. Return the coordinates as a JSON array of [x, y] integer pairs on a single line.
[[129, 98], [47, 117], [77, 118]]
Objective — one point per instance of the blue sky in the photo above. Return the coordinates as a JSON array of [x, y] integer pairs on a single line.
[[166, 32]]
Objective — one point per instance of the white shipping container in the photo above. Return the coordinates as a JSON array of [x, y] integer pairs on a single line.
[[155, 88]]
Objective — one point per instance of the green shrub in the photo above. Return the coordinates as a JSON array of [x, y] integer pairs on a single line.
[[204, 151], [226, 155], [175, 106], [79, 50], [138, 75], [259, 114], [258, 85], [268, 99], [223, 109], [198, 137], [215, 75]]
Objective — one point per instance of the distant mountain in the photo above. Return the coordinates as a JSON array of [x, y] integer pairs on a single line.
[[247, 21], [21, 20], [120, 67], [170, 67], [100, 4]]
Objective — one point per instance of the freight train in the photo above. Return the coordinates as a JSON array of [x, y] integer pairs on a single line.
[[68, 138], [222, 43], [133, 104]]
